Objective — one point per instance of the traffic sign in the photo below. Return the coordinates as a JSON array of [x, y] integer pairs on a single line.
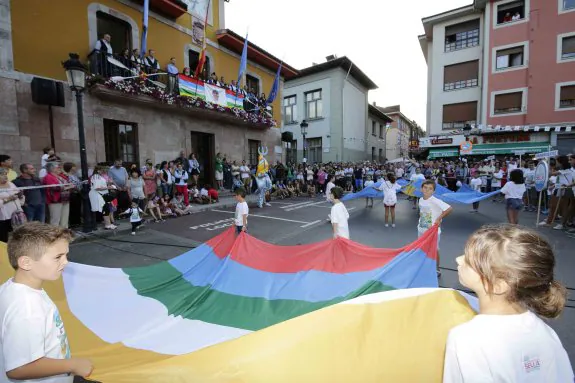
[[541, 175]]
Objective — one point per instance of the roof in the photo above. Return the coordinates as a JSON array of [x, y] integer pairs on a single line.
[[396, 109], [341, 62], [378, 113], [430, 21], [235, 43]]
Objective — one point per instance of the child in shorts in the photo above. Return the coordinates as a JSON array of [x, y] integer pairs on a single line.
[[33, 342], [242, 211], [135, 214], [514, 190]]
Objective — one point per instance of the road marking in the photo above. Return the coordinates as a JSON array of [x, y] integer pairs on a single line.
[[296, 204], [283, 203], [311, 223], [292, 208], [264, 216]]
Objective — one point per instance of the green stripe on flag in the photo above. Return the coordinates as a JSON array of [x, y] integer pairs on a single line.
[[165, 284]]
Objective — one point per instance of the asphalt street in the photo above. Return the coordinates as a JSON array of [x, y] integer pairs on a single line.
[[303, 220]]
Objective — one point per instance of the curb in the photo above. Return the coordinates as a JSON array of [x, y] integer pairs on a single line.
[[126, 227]]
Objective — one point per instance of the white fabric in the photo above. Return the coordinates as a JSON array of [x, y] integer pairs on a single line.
[[511, 167], [389, 192], [244, 171], [340, 216], [183, 177], [529, 178], [330, 185], [399, 172], [96, 200], [215, 95], [8, 208], [30, 329], [497, 176], [117, 313], [414, 177], [429, 210], [512, 190], [506, 348], [475, 184], [242, 209], [204, 192]]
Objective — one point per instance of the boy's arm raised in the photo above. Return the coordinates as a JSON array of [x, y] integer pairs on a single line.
[[46, 367]]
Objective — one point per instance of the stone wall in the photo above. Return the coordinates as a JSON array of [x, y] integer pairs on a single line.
[[162, 131]]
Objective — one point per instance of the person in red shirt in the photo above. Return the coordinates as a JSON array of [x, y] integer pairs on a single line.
[[213, 194], [57, 197]]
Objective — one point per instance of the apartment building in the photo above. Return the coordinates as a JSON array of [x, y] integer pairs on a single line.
[[501, 66]]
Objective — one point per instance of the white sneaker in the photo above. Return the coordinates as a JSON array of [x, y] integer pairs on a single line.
[[393, 225], [133, 233], [386, 225], [542, 223], [558, 227], [268, 205]]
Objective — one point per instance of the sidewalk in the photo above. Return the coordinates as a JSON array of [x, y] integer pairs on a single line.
[[124, 226]]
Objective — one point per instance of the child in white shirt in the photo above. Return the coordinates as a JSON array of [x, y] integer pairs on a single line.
[[135, 214], [390, 188], [34, 345], [510, 269], [242, 211], [368, 200], [514, 190], [476, 183], [339, 215]]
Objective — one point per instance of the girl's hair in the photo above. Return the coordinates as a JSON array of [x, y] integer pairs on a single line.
[[137, 171], [521, 258], [564, 162], [517, 176], [337, 192]]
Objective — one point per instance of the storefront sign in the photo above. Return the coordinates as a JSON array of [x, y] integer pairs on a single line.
[[497, 138], [553, 153], [441, 141], [466, 147], [541, 175]]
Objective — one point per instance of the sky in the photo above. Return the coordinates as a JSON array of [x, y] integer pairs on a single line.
[[379, 36]]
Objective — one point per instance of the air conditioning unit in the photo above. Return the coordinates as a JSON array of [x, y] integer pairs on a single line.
[[330, 57]]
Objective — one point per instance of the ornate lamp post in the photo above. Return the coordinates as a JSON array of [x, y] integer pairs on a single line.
[[76, 75], [303, 127]]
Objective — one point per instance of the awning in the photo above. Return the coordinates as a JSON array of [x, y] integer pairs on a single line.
[[517, 148], [443, 152]]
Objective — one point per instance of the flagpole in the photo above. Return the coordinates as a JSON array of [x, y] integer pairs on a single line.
[[243, 62]]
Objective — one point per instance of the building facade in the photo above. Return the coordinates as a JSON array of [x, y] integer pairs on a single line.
[[332, 98], [376, 133], [120, 124], [398, 133], [496, 67]]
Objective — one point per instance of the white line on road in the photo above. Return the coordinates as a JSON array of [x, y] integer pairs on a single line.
[[311, 223], [264, 216], [296, 204], [292, 208], [283, 203]]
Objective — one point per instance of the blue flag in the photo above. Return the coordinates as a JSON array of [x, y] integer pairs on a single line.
[[275, 87], [145, 28], [243, 62]]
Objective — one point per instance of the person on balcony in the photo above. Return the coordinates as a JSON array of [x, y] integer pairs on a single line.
[[187, 72], [213, 79], [173, 71], [136, 58], [516, 17], [103, 49], [234, 86], [222, 83], [507, 18], [151, 63]]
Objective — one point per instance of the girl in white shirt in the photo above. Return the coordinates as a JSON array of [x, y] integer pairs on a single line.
[[496, 181], [511, 270], [514, 190], [390, 188], [339, 215]]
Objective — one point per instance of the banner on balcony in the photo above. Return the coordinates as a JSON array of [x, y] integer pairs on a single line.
[[191, 87]]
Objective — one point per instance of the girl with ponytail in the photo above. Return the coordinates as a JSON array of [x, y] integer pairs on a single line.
[[510, 268]]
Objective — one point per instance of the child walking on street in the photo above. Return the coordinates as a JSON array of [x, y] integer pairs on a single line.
[[34, 346], [368, 200], [135, 214], [432, 210], [475, 184], [390, 188], [514, 190], [242, 211], [510, 269], [339, 214]]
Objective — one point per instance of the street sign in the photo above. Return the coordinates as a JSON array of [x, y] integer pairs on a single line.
[[466, 147], [552, 153], [520, 152], [541, 175]]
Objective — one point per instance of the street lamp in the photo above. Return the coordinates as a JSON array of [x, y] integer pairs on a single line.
[[76, 75], [303, 127]]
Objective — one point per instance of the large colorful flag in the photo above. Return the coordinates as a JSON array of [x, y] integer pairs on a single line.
[[215, 94], [275, 87], [192, 87], [243, 62], [144, 41], [225, 312], [202, 58]]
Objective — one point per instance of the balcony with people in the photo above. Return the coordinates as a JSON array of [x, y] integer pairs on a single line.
[[196, 87]]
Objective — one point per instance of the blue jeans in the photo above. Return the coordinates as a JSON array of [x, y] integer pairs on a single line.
[[35, 212], [358, 184], [166, 189]]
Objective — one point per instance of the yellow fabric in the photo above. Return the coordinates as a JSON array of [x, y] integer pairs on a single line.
[[400, 340]]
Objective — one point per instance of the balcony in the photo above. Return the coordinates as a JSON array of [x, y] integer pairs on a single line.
[[170, 8]]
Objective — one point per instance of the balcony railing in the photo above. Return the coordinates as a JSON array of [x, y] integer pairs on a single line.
[[457, 125], [460, 84], [567, 103]]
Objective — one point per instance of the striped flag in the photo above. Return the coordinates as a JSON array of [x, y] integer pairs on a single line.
[[275, 87], [243, 62], [202, 59], [145, 28]]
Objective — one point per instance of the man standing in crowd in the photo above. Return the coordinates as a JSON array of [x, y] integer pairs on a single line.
[[173, 71], [6, 163], [119, 175], [35, 201]]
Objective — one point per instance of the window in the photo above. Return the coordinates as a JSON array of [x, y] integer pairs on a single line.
[[253, 146], [291, 152], [380, 155], [373, 153], [508, 103], [568, 48], [290, 109], [567, 96], [456, 116], [121, 141], [119, 30], [194, 57], [568, 4], [459, 76], [253, 84], [461, 36], [510, 12], [380, 131], [313, 107], [509, 58], [314, 150], [373, 128]]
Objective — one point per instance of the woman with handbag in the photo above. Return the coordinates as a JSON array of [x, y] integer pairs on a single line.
[[11, 200], [57, 197], [100, 197]]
